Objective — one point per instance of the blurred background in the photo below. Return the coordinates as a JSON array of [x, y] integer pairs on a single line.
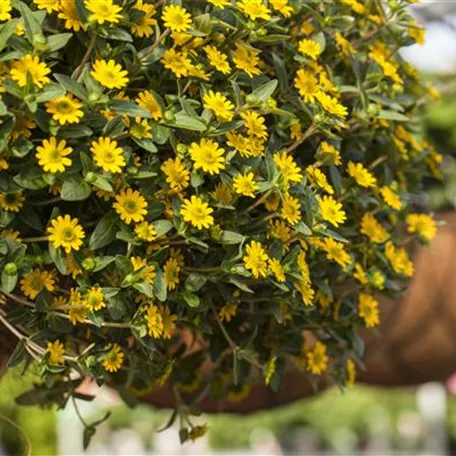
[[367, 421]]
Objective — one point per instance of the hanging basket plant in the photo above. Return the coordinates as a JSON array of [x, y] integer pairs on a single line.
[[228, 174]]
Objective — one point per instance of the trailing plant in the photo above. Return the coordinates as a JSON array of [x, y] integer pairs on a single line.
[[236, 170]]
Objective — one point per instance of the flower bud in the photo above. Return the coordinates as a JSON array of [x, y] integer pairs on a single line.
[[10, 269], [89, 264], [169, 115], [182, 148], [91, 177]]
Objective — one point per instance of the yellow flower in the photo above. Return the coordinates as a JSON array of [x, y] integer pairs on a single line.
[[356, 6], [114, 359], [417, 32], [217, 59], [154, 321], [310, 48], [140, 128], [291, 210], [171, 271], [227, 312], [319, 178], [131, 206], [222, 194], [328, 151], [177, 62], [143, 26], [244, 184], [103, 11], [11, 202], [146, 231], [254, 123], [220, 3], [368, 310], [176, 18], [30, 66], [148, 272], [331, 211], [66, 109], [256, 259], [422, 224], [197, 212], [69, 13], [107, 155], [48, 5], [52, 155], [220, 105], [279, 230], [13, 235], [147, 101], [36, 281], [361, 175], [307, 84], [331, 105], [246, 59], [5, 9], [277, 269], [360, 274], [373, 229], [176, 174], [168, 322], [94, 299], [56, 351], [335, 251], [350, 369], [287, 166], [343, 44], [377, 279], [282, 6], [208, 156], [66, 232], [399, 260], [255, 9], [317, 359], [109, 73], [391, 198]]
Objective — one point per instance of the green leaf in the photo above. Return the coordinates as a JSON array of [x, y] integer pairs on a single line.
[[231, 237], [162, 227], [144, 288], [129, 108], [114, 33], [75, 131], [160, 289], [104, 233], [31, 23], [146, 144], [191, 299], [9, 282], [72, 86], [75, 190], [6, 31], [58, 258], [58, 41], [266, 90], [116, 307], [301, 227], [50, 92], [187, 122], [392, 115], [17, 355], [195, 282], [89, 432], [101, 183], [102, 262]]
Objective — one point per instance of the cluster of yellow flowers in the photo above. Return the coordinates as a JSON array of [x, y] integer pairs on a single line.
[[226, 167]]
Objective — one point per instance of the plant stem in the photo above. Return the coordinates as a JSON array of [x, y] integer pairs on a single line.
[[86, 57], [148, 51], [260, 200], [299, 141], [223, 329], [36, 239]]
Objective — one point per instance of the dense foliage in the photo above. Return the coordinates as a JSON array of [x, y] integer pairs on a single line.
[[238, 170]]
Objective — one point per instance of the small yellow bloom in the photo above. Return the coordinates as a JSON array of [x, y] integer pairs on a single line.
[[277, 269], [208, 156], [11, 201], [307, 84], [217, 59], [48, 5], [256, 260], [176, 18], [331, 211], [94, 299], [197, 212], [291, 210], [317, 359], [176, 173], [287, 166], [391, 198], [244, 184], [109, 74], [52, 155], [310, 48], [336, 251], [146, 231], [368, 310], [30, 66], [227, 312], [107, 155], [361, 175], [114, 359], [171, 271], [36, 281], [66, 109], [373, 229], [399, 259], [103, 11], [131, 206], [177, 62], [246, 59], [56, 351], [319, 178], [422, 224], [255, 9], [220, 105], [66, 232], [5, 10], [146, 99]]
